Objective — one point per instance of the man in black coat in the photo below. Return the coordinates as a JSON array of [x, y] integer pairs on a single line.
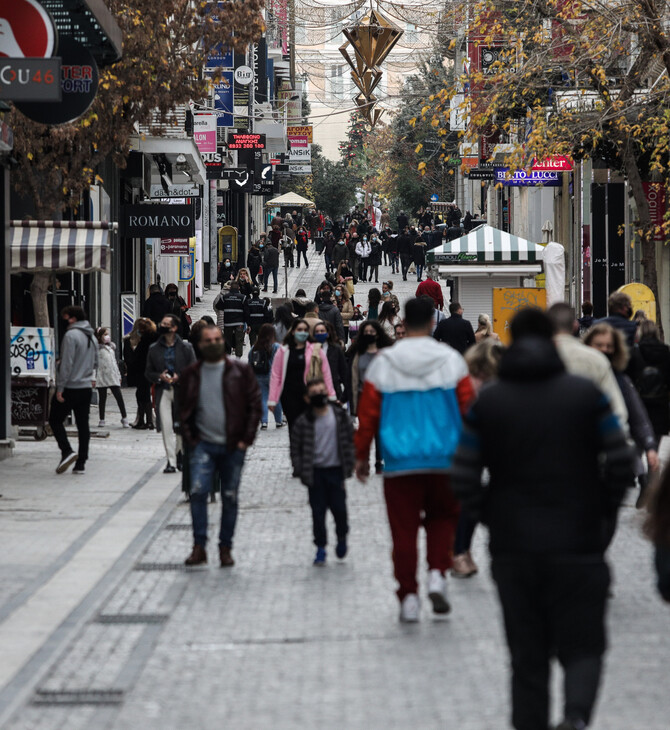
[[556, 482], [156, 305], [455, 331], [270, 266], [405, 244], [403, 221]]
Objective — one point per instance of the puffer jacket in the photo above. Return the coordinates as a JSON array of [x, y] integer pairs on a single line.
[[109, 375], [302, 444]]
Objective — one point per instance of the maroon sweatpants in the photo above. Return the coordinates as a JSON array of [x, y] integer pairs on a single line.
[[406, 498]]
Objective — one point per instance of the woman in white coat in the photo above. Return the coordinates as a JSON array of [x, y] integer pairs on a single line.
[[108, 376], [363, 250]]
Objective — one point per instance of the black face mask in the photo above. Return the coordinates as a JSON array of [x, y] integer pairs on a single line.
[[163, 330], [172, 295], [368, 340], [318, 400]]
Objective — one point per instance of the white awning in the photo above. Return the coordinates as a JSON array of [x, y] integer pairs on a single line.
[[289, 200], [486, 243], [80, 246]]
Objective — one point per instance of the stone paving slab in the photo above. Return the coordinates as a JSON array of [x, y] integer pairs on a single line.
[[275, 642]]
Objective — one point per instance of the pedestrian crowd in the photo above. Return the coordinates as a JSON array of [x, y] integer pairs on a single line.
[[537, 441]]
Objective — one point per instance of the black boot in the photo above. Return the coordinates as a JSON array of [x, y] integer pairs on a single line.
[[139, 419], [149, 412]]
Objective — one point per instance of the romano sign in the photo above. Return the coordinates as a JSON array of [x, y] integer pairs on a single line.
[[157, 221]]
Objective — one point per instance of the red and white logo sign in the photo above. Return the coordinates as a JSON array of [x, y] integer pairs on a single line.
[[26, 30], [557, 163]]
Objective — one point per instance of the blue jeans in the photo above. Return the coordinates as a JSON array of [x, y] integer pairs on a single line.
[[205, 459], [419, 271], [264, 384], [266, 275]]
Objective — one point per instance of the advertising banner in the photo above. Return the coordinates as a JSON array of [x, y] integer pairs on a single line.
[[204, 132]]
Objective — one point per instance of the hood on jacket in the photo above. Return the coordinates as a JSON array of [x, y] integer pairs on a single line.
[[84, 327], [419, 356], [530, 358], [326, 306], [653, 351]]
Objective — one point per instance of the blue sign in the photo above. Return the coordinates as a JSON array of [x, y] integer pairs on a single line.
[[434, 198], [521, 178], [223, 100], [221, 58]]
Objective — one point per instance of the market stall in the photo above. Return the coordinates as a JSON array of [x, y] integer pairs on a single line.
[[487, 259]]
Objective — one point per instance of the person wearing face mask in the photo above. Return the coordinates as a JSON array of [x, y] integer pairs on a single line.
[[295, 360], [585, 361], [108, 376], [179, 308], [346, 308], [227, 271], [340, 253], [611, 343], [287, 245], [254, 261], [363, 252], [220, 407], [168, 357], [322, 455], [375, 258], [75, 380], [388, 295]]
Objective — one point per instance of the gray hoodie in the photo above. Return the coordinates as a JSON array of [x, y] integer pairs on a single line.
[[78, 357]]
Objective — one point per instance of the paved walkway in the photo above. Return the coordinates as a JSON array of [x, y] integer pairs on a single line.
[[102, 627]]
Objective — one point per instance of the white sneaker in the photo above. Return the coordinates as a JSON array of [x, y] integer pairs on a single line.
[[124, 423], [101, 424], [437, 592], [409, 609]]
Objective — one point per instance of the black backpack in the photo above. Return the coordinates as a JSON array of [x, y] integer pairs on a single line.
[[260, 361], [651, 384]]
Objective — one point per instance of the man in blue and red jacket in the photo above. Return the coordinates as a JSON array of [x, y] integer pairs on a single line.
[[413, 397]]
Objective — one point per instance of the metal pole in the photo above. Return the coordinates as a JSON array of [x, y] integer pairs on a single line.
[[5, 310]]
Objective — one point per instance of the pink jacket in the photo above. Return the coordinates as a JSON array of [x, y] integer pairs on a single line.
[[280, 364]]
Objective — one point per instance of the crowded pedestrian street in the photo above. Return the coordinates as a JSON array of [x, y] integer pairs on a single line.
[[102, 626]]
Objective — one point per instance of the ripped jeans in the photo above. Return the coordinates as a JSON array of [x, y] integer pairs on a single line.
[[205, 460]]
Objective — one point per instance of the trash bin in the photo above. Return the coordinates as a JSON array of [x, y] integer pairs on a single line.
[[30, 404]]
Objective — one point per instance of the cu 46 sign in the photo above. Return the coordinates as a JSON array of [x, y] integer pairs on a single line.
[[30, 79]]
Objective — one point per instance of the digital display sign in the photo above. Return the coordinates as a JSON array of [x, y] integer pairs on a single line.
[[246, 141]]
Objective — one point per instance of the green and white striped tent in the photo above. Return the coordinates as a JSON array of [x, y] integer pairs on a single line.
[[487, 244]]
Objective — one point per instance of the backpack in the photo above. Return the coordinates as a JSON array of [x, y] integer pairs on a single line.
[[651, 384], [260, 361]]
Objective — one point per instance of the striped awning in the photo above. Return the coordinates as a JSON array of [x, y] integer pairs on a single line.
[[80, 246], [486, 243]]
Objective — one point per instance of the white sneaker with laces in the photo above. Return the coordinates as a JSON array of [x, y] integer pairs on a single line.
[[124, 423], [101, 424], [437, 592], [409, 609]]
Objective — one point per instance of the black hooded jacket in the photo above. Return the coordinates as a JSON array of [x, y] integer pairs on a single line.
[[542, 432]]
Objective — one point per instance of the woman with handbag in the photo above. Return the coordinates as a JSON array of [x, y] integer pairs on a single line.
[[295, 362]]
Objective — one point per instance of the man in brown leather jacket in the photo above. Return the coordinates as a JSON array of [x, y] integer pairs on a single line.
[[220, 407]]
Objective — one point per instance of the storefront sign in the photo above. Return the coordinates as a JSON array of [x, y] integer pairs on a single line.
[[30, 79], [223, 100], [300, 169], [243, 75], [521, 178], [26, 30], [305, 131], [478, 173], [655, 194], [558, 163], [79, 84], [174, 247], [190, 190], [204, 132], [157, 220], [246, 141], [187, 263], [214, 163]]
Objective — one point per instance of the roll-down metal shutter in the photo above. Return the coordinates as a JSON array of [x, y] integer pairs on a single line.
[[475, 294]]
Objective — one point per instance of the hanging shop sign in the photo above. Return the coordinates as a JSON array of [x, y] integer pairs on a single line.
[[305, 131], [521, 178], [26, 30], [215, 163], [479, 173], [244, 75], [30, 79], [204, 132], [187, 263], [189, 190], [223, 99], [246, 141], [79, 85], [157, 220], [174, 247]]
